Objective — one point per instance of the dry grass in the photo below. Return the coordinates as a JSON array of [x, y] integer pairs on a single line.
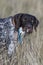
[[31, 51]]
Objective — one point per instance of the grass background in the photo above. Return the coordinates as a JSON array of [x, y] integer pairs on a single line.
[[31, 52]]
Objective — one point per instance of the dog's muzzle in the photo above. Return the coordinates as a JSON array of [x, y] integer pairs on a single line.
[[28, 28]]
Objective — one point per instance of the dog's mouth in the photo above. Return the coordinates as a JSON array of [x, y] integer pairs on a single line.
[[28, 29]]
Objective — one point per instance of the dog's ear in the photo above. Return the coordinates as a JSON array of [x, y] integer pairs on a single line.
[[35, 24], [14, 21]]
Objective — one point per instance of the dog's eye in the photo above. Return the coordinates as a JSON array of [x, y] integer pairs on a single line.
[[25, 18]]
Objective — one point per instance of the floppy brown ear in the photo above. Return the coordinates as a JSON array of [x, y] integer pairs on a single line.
[[15, 23]]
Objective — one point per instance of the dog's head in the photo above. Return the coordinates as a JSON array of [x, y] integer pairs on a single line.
[[29, 23], [26, 21]]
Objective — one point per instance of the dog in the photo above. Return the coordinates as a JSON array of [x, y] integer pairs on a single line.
[[13, 45], [21, 23], [26, 21], [8, 34], [7, 30]]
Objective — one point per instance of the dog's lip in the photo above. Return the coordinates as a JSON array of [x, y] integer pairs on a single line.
[[28, 30]]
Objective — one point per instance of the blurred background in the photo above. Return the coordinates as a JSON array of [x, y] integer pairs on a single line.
[[31, 52], [11, 7]]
